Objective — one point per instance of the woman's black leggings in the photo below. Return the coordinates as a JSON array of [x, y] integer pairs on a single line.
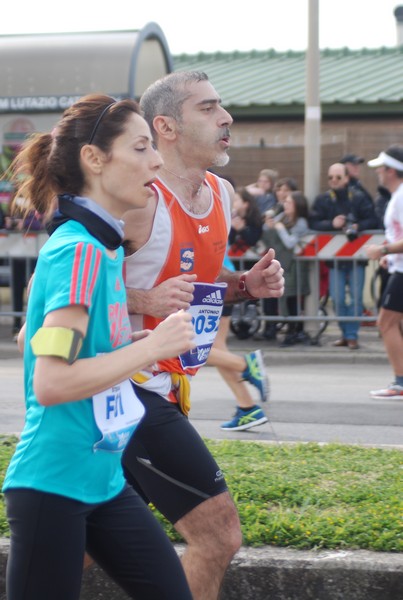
[[50, 534]]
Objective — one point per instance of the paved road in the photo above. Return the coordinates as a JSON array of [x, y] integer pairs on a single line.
[[309, 402]]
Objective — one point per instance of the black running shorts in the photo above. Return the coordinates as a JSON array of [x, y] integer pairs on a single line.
[[392, 298], [167, 462]]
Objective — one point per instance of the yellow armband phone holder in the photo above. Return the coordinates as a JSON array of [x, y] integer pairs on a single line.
[[60, 342]]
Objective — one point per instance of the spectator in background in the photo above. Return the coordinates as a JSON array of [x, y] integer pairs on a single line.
[[246, 223], [263, 189], [282, 188], [284, 233], [343, 209], [353, 165]]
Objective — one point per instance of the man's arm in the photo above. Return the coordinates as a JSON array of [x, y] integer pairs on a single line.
[[166, 298], [320, 219], [264, 280], [169, 296], [379, 251]]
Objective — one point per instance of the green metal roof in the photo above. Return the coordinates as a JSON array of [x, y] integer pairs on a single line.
[[366, 82]]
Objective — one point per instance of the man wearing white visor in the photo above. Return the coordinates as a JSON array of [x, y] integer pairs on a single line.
[[389, 169]]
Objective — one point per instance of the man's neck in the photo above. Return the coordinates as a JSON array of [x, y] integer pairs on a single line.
[[190, 189], [393, 185], [340, 193]]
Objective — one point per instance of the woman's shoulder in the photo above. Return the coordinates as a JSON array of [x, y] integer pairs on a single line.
[[301, 226]]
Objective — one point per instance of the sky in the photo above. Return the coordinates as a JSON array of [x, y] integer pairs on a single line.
[[224, 25]]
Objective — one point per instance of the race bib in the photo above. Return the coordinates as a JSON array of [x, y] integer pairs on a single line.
[[206, 309], [117, 413]]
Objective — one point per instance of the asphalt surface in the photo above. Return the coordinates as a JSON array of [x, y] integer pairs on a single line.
[[318, 393]]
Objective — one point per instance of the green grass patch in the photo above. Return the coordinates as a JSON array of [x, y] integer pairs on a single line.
[[304, 496]]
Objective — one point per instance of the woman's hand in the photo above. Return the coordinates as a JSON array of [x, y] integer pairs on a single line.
[[238, 223], [270, 222], [173, 336]]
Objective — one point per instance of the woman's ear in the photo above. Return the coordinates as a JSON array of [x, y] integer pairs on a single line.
[[92, 158]]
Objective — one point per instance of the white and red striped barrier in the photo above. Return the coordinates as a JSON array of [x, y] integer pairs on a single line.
[[326, 246]]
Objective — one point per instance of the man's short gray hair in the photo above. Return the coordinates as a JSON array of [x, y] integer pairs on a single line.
[[167, 95]]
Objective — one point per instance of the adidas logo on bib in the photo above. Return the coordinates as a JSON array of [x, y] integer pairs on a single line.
[[213, 298]]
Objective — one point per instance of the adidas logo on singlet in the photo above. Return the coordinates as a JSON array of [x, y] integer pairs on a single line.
[[213, 298]]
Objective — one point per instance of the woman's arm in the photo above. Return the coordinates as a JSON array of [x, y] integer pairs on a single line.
[[291, 237], [56, 381]]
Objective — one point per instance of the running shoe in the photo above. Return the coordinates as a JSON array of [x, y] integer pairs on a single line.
[[392, 392], [255, 373], [245, 419]]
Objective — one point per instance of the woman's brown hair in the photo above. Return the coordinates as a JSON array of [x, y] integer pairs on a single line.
[[49, 163]]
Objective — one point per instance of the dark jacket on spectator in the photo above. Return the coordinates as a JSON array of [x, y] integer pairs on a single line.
[[342, 202], [346, 202]]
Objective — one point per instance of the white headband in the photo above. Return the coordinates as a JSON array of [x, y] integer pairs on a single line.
[[385, 160]]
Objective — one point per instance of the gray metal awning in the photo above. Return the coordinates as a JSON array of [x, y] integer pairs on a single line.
[[47, 72]]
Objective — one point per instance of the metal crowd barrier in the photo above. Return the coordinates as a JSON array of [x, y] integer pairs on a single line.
[[319, 248], [315, 247]]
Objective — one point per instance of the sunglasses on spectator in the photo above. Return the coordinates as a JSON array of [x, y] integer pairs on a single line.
[[339, 177]]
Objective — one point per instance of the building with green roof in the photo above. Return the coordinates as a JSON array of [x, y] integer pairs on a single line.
[[361, 94]]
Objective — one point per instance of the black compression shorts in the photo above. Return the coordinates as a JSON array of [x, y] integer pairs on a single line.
[[167, 462], [392, 298], [49, 534]]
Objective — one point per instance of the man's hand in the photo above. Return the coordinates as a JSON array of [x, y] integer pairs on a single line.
[[265, 279], [166, 298], [339, 222], [373, 251]]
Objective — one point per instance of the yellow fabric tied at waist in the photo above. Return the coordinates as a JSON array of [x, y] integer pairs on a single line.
[[139, 378], [181, 387]]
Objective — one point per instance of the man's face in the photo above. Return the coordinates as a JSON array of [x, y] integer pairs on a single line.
[[337, 177], [353, 169], [204, 127], [264, 183], [386, 176]]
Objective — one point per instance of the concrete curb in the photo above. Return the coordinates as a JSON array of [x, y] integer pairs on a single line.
[[279, 573]]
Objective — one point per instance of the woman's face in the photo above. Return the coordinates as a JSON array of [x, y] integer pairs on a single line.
[[282, 193], [289, 206], [239, 206], [130, 168]]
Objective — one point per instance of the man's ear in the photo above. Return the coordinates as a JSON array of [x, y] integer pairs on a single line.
[[165, 127], [91, 157]]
